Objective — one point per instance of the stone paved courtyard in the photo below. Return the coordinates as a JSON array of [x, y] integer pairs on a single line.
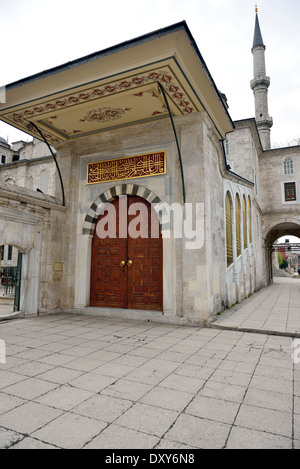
[[275, 308], [74, 381]]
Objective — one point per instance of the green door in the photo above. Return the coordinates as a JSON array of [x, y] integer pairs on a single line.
[[18, 283]]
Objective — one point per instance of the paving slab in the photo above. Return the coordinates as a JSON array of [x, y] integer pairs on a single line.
[[198, 432], [64, 397], [102, 407], [267, 420], [167, 398], [269, 400], [213, 409], [28, 417], [148, 419], [32, 443], [244, 438], [8, 438], [58, 431], [116, 437], [29, 388]]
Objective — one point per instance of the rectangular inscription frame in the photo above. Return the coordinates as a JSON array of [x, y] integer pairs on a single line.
[[130, 167]]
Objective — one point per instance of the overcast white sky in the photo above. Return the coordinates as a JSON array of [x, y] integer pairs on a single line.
[[37, 35]]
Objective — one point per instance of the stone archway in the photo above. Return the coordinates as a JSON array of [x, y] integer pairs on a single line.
[[285, 228], [122, 189], [26, 239], [10, 278], [282, 229]]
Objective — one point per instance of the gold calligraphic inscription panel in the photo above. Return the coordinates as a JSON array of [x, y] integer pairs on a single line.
[[132, 167]]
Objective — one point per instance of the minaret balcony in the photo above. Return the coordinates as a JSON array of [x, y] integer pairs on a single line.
[[264, 123], [260, 82]]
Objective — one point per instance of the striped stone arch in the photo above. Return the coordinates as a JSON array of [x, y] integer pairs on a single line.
[[123, 189]]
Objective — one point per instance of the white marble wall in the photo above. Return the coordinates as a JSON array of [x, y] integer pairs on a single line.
[[194, 286]]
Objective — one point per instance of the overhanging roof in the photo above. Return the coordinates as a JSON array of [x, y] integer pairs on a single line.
[[118, 87]]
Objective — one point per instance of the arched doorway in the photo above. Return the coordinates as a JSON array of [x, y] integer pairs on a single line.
[[283, 229], [280, 230], [127, 256], [10, 279]]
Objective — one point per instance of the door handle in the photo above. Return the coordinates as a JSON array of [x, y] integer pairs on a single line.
[[122, 263], [129, 263]]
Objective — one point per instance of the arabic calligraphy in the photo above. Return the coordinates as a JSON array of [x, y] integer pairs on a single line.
[[150, 164]]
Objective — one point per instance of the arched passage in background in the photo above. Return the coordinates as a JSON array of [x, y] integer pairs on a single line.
[[10, 277], [23, 235], [279, 230]]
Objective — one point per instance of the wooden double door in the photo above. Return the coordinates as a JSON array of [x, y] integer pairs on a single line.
[[127, 270]]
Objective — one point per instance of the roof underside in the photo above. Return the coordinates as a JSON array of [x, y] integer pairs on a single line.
[[116, 88]]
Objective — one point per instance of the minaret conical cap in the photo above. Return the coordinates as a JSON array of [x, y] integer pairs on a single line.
[[258, 40]]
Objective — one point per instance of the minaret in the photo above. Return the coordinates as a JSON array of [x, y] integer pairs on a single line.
[[260, 85]]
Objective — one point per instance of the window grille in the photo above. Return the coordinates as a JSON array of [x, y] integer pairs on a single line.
[[288, 166], [238, 225], [245, 222], [249, 220], [44, 179], [290, 191], [229, 230]]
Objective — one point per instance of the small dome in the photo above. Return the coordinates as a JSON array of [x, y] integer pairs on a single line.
[[2, 140]]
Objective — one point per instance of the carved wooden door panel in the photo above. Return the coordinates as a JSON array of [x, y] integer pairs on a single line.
[[108, 279], [145, 252], [137, 284]]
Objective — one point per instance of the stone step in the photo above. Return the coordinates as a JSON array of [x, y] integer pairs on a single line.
[[7, 300], [135, 314]]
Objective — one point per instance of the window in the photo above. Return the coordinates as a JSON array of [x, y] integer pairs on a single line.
[[3, 159], [9, 255], [44, 181], [2, 252], [255, 181], [288, 166], [290, 191], [15, 158], [238, 225], [229, 249], [226, 146], [245, 222], [249, 220], [230, 165], [30, 183]]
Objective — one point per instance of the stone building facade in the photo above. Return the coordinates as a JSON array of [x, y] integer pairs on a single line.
[[154, 98], [27, 164]]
